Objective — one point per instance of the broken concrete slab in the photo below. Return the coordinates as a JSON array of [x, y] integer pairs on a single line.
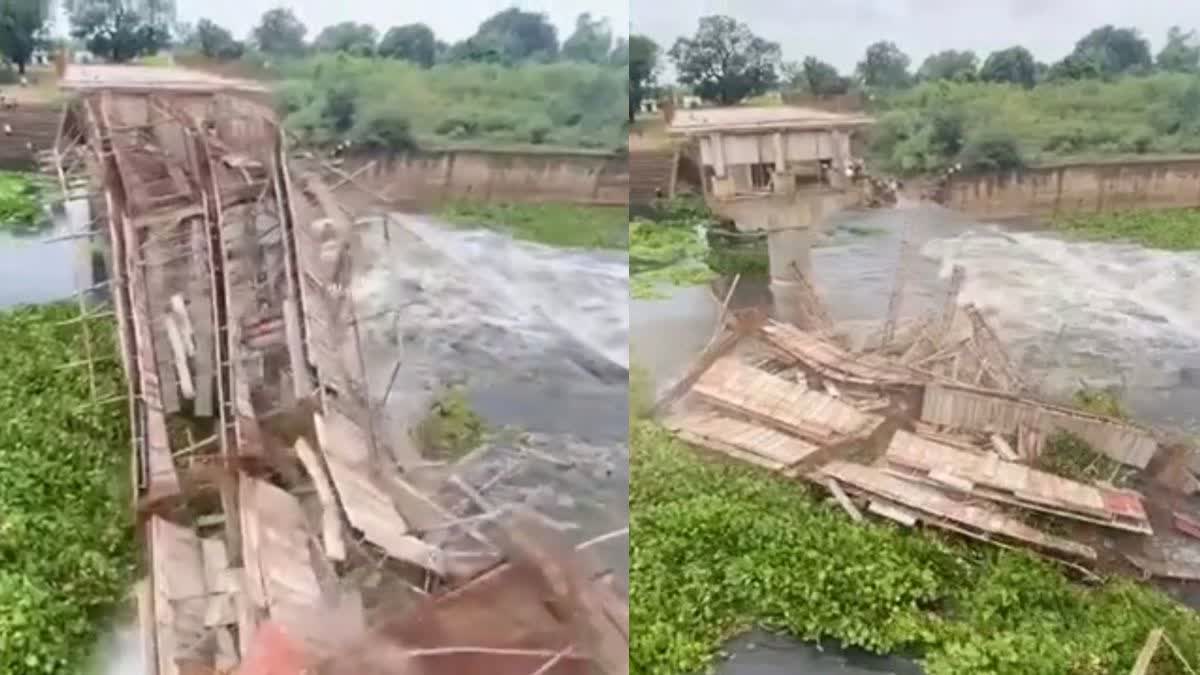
[[968, 408], [787, 406], [1008, 482], [940, 510]]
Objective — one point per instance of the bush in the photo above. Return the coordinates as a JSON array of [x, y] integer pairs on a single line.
[[935, 124], [991, 150], [331, 98]]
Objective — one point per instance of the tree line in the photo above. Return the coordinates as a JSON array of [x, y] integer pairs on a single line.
[[121, 30], [725, 62]]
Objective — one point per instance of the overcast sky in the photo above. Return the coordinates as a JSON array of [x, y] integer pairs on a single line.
[[450, 21], [839, 31]]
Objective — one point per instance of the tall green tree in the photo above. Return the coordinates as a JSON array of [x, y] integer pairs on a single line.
[[22, 29], [619, 56], [1181, 53], [884, 67], [118, 30], [215, 41], [643, 68], [1107, 51], [950, 64], [510, 36], [591, 42], [725, 62], [413, 42], [347, 37], [280, 33], [816, 77], [1014, 65]]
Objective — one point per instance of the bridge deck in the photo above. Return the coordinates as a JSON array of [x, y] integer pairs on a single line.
[[237, 327]]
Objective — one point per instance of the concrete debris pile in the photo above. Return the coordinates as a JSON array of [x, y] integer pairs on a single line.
[[267, 494], [933, 425]]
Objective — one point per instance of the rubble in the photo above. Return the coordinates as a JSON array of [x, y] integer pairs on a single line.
[[231, 287], [930, 423]]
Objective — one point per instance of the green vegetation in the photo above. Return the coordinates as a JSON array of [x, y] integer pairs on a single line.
[[998, 125], [717, 548], [21, 210], [1066, 454], [396, 105], [66, 544], [452, 428], [1170, 229], [1106, 402], [663, 254], [678, 245], [567, 225]]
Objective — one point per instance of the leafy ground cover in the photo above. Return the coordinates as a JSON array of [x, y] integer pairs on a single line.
[[66, 546], [1169, 229], [21, 210], [566, 225], [717, 548]]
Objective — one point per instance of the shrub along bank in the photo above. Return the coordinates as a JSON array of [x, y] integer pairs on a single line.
[[717, 548], [65, 532]]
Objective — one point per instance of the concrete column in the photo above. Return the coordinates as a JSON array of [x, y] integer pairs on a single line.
[[780, 157], [717, 144]]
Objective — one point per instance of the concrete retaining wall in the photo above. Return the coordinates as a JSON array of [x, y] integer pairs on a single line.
[[1078, 188], [427, 178]]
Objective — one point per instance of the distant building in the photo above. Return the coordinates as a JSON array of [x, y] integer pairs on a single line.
[[649, 105], [770, 150]]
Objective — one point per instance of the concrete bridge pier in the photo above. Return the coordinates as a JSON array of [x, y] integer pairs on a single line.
[[792, 225]]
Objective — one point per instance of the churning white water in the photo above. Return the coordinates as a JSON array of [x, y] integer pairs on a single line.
[[479, 308]]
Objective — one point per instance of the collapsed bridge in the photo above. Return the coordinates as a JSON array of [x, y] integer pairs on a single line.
[[264, 488]]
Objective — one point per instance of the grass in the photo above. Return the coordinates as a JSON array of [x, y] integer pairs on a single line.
[[1168, 229], [716, 549], [452, 428], [21, 210], [66, 544], [564, 225]]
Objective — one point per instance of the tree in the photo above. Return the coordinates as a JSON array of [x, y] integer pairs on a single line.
[[725, 62], [951, 65], [643, 66], [619, 56], [816, 77], [510, 36], [348, 37], [116, 30], [280, 33], [215, 42], [591, 42], [1106, 52], [1014, 65], [1181, 54], [884, 67], [412, 42], [22, 29]]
